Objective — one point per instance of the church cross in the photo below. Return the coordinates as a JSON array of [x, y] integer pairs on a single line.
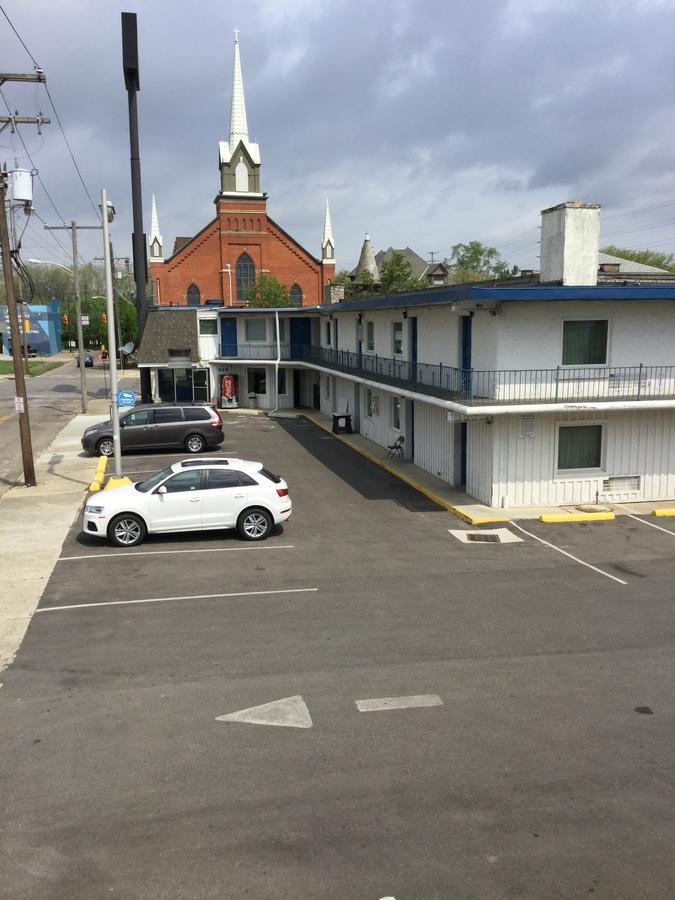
[[236, 34]]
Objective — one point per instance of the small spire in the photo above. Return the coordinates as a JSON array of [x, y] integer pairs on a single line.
[[156, 242], [328, 242], [238, 123], [367, 261]]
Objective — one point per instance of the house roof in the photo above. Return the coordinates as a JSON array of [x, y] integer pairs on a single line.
[[627, 266], [417, 264], [177, 331]]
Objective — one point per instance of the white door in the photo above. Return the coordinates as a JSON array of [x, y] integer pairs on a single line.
[[227, 493], [180, 508]]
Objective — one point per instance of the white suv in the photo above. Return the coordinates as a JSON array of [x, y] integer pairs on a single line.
[[191, 495]]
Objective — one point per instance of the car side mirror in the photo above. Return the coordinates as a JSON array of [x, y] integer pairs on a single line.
[[162, 489]]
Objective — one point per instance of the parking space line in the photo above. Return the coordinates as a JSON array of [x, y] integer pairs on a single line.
[[565, 553], [651, 524], [127, 555], [383, 703], [43, 609]]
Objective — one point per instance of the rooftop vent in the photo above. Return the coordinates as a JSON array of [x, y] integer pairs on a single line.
[[610, 268]]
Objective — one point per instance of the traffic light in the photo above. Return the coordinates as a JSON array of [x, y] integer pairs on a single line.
[[104, 318], [65, 319]]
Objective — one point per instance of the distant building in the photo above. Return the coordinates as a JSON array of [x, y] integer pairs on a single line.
[[44, 328], [429, 274], [229, 254]]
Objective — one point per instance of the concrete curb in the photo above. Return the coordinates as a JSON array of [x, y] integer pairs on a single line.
[[97, 483], [476, 520], [559, 518], [663, 512]]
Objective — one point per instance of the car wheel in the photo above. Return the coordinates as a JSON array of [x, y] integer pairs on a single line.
[[194, 443], [254, 524], [105, 447], [127, 530]]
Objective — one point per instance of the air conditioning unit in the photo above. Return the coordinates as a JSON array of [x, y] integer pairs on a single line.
[[624, 487]]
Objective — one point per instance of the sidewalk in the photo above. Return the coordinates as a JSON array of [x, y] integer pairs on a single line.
[[455, 499], [34, 523]]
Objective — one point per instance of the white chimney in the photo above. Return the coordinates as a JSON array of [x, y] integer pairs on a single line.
[[570, 241]]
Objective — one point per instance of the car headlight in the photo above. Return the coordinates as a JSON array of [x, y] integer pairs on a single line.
[[94, 509]]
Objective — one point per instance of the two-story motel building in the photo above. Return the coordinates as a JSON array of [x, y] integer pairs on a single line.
[[553, 391]]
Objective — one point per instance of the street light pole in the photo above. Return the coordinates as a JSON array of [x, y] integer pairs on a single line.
[[112, 349], [78, 314]]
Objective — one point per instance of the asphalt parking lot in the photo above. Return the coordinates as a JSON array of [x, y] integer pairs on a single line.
[[517, 741]]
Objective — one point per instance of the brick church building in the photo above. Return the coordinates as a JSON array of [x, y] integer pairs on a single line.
[[242, 241]]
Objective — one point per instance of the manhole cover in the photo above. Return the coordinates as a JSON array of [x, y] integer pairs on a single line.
[[483, 538]]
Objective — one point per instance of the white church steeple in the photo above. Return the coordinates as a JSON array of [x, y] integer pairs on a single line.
[[328, 242], [156, 242], [239, 156]]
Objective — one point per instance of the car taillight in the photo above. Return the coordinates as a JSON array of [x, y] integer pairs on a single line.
[[214, 421], [282, 492]]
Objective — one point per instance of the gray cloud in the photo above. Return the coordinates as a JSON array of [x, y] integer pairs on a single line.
[[426, 122]]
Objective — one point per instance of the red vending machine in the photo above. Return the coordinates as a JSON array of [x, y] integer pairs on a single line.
[[228, 392]]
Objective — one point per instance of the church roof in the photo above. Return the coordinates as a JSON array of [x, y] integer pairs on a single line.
[[179, 243]]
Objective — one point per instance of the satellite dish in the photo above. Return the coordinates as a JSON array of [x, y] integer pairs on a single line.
[[128, 347]]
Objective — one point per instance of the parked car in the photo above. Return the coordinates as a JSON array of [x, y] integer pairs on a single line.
[[88, 361], [191, 495], [190, 426]]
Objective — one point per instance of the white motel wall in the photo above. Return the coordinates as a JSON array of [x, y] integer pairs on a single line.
[[514, 463]]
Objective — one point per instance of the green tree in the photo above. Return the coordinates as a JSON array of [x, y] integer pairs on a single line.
[[267, 291], [396, 275], [476, 262], [646, 257]]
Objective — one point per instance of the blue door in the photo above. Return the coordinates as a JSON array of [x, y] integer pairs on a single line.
[[301, 337], [228, 336]]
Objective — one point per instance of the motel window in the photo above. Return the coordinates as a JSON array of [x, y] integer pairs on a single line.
[[256, 329], [585, 342], [397, 337], [396, 413], [281, 381], [579, 447], [369, 403], [208, 326], [370, 336]]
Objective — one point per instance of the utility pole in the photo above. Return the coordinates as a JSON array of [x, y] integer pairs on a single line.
[[132, 84], [73, 228], [21, 399]]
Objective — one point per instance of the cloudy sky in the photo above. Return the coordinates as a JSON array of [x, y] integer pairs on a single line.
[[426, 122]]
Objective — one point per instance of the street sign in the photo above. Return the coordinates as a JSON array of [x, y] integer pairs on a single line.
[[126, 398], [85, 320], [19, 405]]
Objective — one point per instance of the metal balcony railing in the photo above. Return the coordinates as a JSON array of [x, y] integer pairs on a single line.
[[473, 387]]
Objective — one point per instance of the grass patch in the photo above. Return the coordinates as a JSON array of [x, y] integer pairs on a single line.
[[35, 366]]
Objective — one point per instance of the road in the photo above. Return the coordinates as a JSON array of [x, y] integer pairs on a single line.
[[459, 720], [53, 398]]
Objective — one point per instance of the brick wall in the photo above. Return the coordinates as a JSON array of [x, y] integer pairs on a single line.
[[242, 225]]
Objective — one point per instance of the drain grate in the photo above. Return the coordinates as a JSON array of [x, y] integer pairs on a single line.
[[480, 538], [485, 536]]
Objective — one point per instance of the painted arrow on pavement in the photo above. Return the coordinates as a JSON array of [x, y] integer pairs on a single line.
[[290, 712]]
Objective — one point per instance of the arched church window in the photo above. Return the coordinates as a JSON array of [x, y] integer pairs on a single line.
[[241, 176], [296, 295], [245, 275], [193, 295]]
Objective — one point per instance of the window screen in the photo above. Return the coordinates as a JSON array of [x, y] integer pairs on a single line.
[[579, 447], [585, 342]]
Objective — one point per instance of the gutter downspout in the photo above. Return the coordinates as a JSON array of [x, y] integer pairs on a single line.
[[276, 362]]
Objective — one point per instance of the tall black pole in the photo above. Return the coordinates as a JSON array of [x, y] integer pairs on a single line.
[[132, 84]]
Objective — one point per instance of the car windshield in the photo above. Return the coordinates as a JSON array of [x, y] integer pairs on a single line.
[[153, 480]]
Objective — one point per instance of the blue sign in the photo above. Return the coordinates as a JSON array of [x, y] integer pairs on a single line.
[[126, 398]]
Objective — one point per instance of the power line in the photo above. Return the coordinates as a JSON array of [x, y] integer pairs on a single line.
[[21, 41], [58, 119], [641, 228]]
